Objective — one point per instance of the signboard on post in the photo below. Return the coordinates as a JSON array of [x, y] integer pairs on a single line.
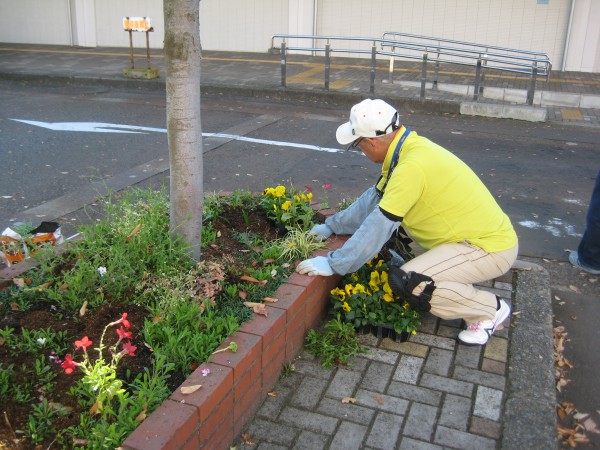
[[137, 24], [143, 24]]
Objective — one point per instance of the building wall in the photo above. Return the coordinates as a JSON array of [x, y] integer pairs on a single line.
[[35, 21], [242, 25]]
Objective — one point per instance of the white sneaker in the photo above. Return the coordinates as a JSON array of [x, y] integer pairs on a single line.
[[478, 333]]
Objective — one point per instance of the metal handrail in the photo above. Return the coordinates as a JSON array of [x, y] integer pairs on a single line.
[[448, 51]]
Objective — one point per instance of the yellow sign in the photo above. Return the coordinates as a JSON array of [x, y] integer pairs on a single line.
[[137, 24]]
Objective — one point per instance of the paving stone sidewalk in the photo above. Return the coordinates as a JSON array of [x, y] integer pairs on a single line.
[[427, 393]]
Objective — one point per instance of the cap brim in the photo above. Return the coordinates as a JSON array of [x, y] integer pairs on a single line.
[[344, 134]]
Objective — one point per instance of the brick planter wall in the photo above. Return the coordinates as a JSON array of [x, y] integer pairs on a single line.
[[215, 414]]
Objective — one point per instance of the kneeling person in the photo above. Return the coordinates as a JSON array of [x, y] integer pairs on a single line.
[[442, 205]]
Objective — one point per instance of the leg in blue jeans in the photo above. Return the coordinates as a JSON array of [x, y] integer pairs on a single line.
[[589, 247]]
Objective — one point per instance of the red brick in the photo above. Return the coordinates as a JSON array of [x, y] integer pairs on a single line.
[[294, 343], [248, 353], [300, 280], [271, 372], [221, 438], [193, 443], [273, 349], [291, 298], [268, 328], [168, 427], [218, 418], [247, 380], [245, 407], [215, 387]]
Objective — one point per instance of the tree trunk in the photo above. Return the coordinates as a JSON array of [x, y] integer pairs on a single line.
[[182, 60]]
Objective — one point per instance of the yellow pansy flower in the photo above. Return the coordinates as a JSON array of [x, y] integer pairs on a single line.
[[387, 289], [286, 205], [309, 195], [388, 297], [346, 307], [359, 289], [280, 191], [349, 289]]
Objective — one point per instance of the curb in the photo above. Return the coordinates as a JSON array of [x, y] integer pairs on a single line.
[[530, 405], [215, 414]]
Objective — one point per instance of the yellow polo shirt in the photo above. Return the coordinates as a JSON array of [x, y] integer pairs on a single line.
[[440, 199]]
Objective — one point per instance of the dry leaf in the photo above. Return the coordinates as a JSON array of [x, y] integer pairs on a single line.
[[14, 307], [272, 394], [246, 438], [63, 287], [258, 308], [83, 309], [378, 399], [349, 400], [142, 415], [2, 341], [517, 313], [219, 233], [189, 389], [574, 289], [252, 280], [19, 282], [134, 232], [270, 299], [242, 295], [44, 285], [78, 441], [269, 260], [94, 409]]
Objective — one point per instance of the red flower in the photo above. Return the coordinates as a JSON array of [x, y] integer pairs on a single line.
[[69, 365], [307, 188], [124, 321], [123, 334], [83, 343], [130, 349], [327, 185]]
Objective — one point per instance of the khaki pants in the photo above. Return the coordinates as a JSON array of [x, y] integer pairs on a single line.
[[454, 268]]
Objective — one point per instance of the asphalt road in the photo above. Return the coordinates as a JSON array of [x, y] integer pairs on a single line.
[[541, 174]]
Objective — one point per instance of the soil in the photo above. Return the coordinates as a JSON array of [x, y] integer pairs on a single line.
[[44, 315]]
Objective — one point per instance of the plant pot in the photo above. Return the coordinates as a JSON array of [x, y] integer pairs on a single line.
[[381, 331]]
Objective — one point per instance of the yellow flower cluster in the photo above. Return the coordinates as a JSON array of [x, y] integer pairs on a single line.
[[288, 207]]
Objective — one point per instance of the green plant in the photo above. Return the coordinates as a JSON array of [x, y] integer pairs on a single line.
[[188, 334], [296, 244], [336, 345], [286, 370], [366, 298], [100, 377], [41, 421], [288, 207]]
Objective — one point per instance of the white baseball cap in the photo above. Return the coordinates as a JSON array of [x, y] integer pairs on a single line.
[[370, 118]]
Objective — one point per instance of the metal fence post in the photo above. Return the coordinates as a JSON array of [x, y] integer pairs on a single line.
[[373, 67], [423, 75], [327, 65], [283, 66], [391, 69], [436, 73], [531, 90], [477, 79]]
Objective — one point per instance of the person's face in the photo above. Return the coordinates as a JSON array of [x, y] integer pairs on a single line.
[[373, 148]]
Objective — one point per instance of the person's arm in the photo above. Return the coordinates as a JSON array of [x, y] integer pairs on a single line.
[[350, 219], [364, 244]]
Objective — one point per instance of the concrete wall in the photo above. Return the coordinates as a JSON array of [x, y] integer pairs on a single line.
[[243, 25], [35, 21]]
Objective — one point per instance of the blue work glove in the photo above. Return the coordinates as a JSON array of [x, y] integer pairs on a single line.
[[320, 232], [315, 266]]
